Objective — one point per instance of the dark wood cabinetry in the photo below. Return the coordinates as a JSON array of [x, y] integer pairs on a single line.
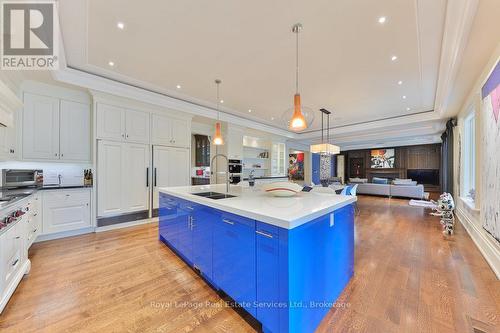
[[202, 150]]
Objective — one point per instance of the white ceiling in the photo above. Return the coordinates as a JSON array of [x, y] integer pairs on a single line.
[[345, 53]]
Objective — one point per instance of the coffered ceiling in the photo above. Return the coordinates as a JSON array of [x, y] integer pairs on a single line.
[[346, 54]]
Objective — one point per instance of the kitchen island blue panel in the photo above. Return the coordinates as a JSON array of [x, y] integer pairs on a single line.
[[287, 279]]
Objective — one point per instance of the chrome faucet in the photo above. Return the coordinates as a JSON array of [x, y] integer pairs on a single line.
[[227, 171]]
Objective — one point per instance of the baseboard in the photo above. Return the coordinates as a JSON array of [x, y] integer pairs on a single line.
[[63, 234], [125, 224], [489, 252], [13, 284]]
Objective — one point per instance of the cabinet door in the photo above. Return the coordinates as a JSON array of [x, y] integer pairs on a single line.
[[268, 270], [167, 214], [181, 134], [161, 130], [170, 168], [234, 258], [110, 122], [11, 243], [65, 210], [109, 178], [135, 177], [40, 130], [184, 230], [137, 126], [75, 131], [203, 219], [161, 162]]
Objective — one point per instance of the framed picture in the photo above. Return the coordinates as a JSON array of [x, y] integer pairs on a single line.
[[382, 158], [296, 166]]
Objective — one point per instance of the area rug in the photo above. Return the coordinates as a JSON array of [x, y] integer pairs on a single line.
[[422, 203]]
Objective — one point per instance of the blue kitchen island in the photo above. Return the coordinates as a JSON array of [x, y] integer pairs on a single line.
[[283, 260]]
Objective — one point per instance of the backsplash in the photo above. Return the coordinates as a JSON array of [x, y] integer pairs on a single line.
[[66, 174]]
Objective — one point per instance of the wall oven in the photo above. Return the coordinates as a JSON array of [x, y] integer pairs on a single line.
[[235, 166]]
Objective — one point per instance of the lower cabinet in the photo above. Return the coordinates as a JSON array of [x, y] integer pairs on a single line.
[[65, 210], [234, 258]]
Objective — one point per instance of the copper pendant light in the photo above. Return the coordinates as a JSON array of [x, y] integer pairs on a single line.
[[298, 121], [218, 140]]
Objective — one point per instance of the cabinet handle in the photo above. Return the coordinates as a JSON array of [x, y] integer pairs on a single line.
[[189, 207], [265, 234], [62, 155], [227, 221], [155, 177], [15, 262], [17, 237], [35, 230], [127, 136], [147, 177], [123, 135], [55, 154]]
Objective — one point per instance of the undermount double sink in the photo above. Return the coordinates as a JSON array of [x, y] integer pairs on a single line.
[[214, 195]]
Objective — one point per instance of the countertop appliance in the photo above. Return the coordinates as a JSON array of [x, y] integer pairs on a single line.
[[15, 178]]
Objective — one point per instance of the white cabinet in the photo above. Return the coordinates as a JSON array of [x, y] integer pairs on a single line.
[[278, 160], [8, 142], [122, 178], [170, 168], [55, 129], [110, 122], [13, 252], [40, 127], [136, 177], [65, 210], [75, 131], [234, 142], [34, 219], [170, 131], [116, 123]]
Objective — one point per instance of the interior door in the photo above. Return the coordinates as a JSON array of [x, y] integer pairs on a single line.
[[40, 127], [136, 177], [137, 126], [109, 178], [75, 131]]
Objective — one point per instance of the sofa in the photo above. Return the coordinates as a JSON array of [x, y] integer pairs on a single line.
[[405, 188]]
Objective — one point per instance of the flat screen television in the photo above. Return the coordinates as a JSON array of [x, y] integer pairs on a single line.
[[424, 176]]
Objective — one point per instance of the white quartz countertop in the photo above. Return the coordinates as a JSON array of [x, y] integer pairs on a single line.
[[255, 203]]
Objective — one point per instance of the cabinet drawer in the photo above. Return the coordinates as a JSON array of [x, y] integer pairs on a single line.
[[65, 197], [12, 252]]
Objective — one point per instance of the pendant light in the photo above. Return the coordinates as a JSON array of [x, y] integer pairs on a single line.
[[325, 147], [218, 140], [298, 121]]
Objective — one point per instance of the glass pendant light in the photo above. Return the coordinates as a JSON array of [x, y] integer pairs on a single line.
[[325, 147], [218, 140]]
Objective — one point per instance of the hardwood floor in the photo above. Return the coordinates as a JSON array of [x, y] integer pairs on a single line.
[[408, 278]]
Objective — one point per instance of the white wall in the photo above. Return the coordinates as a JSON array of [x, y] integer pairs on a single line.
[[471, 216]]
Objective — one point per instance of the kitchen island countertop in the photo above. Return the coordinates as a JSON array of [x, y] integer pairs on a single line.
[[255, 203]]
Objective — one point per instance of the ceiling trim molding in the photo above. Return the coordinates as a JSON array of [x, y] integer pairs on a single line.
[[460, 15], [429, 139]]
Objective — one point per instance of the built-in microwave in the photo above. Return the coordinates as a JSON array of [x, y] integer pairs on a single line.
[[235, 166], [21, 178]]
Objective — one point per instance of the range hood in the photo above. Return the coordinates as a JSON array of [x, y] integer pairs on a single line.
[[9, 104]]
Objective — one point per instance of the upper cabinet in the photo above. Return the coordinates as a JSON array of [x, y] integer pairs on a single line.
[[170, 131], [55, 129], [115, 123]]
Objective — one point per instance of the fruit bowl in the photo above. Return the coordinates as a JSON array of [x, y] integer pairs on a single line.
[[282, 189]]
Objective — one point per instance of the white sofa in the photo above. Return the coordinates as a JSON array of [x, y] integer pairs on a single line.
[[405, 189]]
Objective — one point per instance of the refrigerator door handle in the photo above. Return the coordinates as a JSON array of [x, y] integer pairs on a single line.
[[155, 179]]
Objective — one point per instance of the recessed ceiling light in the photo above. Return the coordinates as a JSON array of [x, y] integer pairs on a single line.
[[408, 109], [222, 101], [178, 86], [272, 118], [381, 19], [404, 96], [250, 110], [394, 58], [112, 64], [120, 25], [400, 82]]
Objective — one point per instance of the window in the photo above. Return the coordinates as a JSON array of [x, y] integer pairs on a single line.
[[470, 157]]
